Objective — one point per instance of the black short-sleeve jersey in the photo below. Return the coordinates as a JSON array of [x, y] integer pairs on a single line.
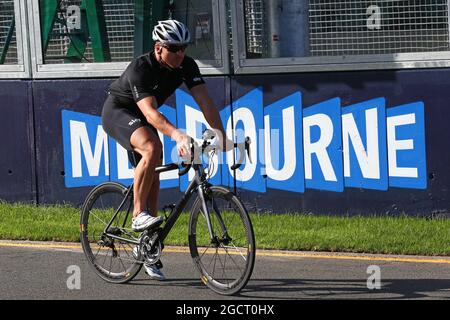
[[145, 77]]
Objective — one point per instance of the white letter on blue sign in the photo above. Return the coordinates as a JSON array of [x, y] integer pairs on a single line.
[[319, 147], [196, 120], [191, 118], [322, 136], [79, 140], [124, 171], [284, 157], [248, 120], [368, 160], [406, 146], [396, 145], [365, 158], [288, 169]]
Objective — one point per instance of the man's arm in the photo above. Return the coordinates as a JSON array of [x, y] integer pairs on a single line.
[[149, 108], [209, 110]]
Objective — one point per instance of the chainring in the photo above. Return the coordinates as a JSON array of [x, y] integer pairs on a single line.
[[150, 248]]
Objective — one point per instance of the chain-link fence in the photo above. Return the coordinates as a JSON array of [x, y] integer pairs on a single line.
[[377, 27], [119, 19], [120, 25], [255, 14], [8, 44], [353, 27]]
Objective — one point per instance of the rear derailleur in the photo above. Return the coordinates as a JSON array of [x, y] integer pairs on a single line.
[[108, 242]]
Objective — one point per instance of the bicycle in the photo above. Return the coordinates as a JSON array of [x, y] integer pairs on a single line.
[[220, 233]]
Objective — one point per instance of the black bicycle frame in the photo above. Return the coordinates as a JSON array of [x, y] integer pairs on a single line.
[[197, 184]]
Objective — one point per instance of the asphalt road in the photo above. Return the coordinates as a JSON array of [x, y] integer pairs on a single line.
[[38, 271]]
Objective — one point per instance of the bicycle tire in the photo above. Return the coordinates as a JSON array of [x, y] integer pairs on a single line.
[[223, 206], [119, 265]]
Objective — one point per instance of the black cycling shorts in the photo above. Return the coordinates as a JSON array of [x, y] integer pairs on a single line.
[[120, 121]]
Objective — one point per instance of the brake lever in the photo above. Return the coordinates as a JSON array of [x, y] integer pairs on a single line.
[[242, 154], [187, 165]]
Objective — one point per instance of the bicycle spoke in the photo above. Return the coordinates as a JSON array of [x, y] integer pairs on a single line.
[[104, 259], [95, 216], [121, 262], [231, 258], [98, 251], [110, 264], [224, 264], [112, 258], [220, 261], [207, 248], [238, 251], [214, 268], [129, 247], [229, 266]]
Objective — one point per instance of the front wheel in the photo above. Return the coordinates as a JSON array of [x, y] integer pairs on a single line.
[[225, 262]]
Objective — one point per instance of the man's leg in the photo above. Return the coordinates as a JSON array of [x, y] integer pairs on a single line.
[[148, 145], [152, 202]]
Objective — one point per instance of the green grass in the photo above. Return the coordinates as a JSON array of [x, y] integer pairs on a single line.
[[389, 235], [393, 235]]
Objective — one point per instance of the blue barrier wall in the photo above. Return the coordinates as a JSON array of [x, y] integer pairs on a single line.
[[17, 175], [372, 142], [396, 88], [60, 100], [50, 98]]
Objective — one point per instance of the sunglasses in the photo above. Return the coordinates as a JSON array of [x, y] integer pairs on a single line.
[[175, 48]]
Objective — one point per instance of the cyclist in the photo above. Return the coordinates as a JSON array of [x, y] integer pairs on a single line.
[[130, 116]]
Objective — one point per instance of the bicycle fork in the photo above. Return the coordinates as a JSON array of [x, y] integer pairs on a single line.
[[214, 239], [201, 195]]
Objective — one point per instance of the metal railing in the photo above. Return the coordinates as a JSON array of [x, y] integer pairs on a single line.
[[254, 25], [119, 19], [360, 27]]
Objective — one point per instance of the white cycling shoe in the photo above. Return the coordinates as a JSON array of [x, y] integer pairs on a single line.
[[144, 221], [154, 271]]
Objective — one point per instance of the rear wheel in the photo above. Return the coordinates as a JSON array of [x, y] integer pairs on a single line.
[[111, 258], [226, 262]]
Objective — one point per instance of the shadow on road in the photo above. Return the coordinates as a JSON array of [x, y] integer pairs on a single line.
[[193, 282], [347, 289], [292, 289]]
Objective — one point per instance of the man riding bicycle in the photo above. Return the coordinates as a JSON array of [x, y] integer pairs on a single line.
[[130, 115]]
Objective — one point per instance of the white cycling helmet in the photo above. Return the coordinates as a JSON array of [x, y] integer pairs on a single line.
[[171, 32]]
